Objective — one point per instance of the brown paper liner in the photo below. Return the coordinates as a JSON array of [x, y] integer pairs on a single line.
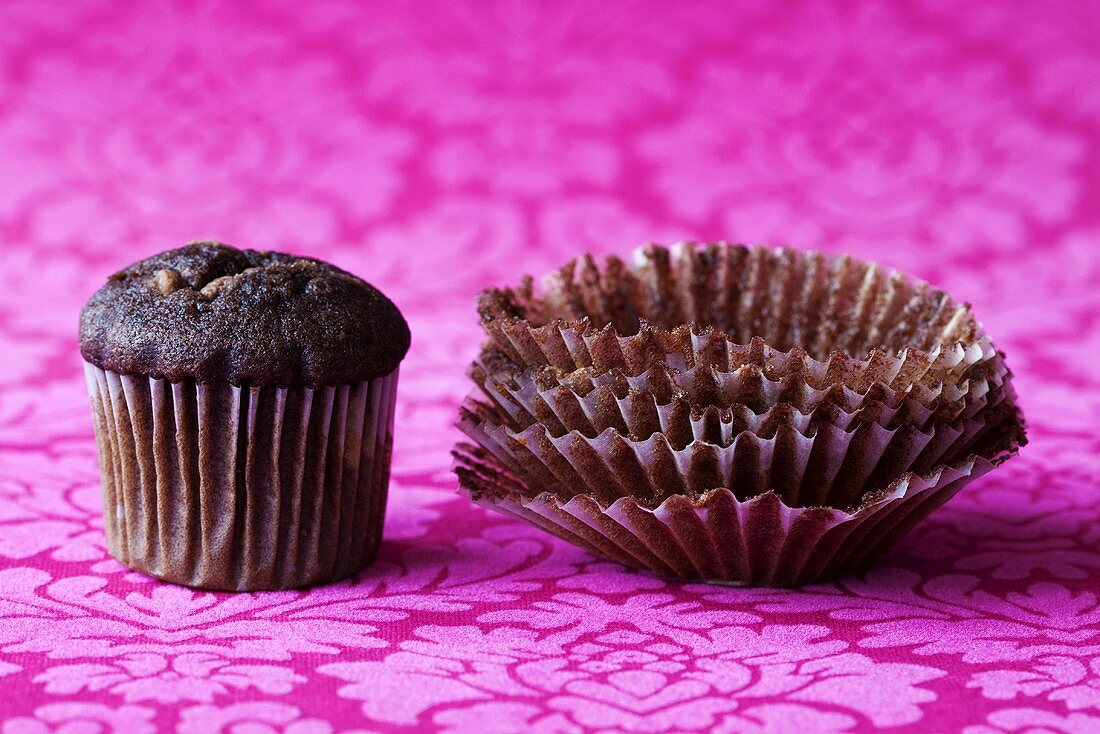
[[816, 308], [571, 346], [806, 464], [242, 489], [704, 404], [744, 414], [718, 536]]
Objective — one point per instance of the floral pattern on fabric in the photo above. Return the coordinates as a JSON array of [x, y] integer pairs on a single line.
[[436, 148]]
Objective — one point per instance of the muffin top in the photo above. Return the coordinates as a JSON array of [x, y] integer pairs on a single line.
[[213, 313]]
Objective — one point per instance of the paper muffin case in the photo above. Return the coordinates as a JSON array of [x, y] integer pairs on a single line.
[[243, 489], [743, 414], [719, 537], [638, 417], [570, 346], [787, 297], [701, 401], [826, 465], [815, 308]]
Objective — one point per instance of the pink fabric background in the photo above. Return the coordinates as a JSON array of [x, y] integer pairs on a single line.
[[436, 148]]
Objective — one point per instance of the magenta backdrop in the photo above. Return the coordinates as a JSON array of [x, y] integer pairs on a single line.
[[436, 148]]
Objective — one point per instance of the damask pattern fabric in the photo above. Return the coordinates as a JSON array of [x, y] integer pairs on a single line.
[[435, 148]]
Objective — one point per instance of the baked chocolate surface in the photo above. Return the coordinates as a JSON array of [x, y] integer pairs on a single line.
[[212, 313]]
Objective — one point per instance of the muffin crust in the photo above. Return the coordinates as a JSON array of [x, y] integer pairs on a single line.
[[213, 313]]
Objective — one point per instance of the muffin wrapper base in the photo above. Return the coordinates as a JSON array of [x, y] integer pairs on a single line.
[[243, 489], [718, 537], [703, 411]]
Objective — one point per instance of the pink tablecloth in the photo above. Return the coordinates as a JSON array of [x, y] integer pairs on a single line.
[[435, 148]]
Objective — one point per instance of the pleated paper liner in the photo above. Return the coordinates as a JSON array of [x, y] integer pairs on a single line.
[[721, 537], [701, 399], [706, 384], [705, 397], [570, 346], [788, 297], [817, 308], [638, 418], [823, 465], [243, 489]]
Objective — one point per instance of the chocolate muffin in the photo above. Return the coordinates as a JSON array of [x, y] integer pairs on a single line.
[[243, 406]]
